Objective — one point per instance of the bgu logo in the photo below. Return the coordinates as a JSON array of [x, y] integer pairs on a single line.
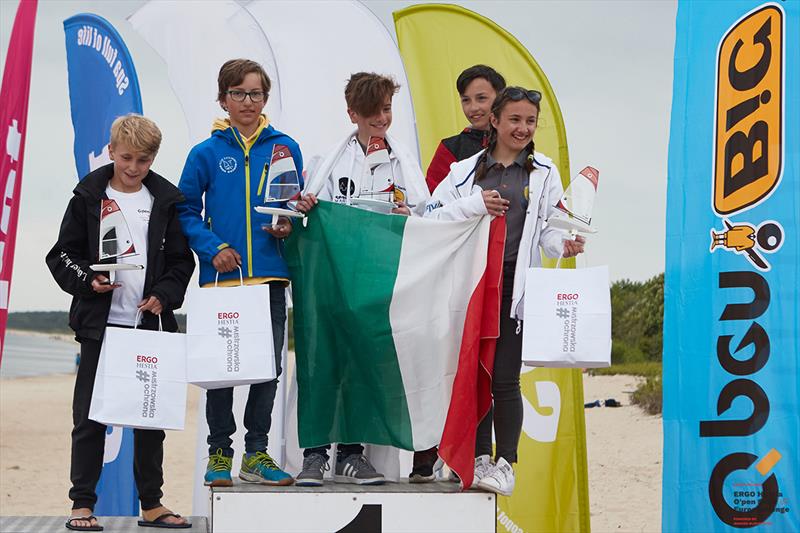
[[748, 151]]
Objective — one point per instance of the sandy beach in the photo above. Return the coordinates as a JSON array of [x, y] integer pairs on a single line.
[[624, 452]]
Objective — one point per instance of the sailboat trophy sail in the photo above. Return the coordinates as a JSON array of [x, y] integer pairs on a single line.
[[574, 209], [283, 185], [115, 240], [375, 197]]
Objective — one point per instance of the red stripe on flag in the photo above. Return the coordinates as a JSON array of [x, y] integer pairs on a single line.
[[13, 119], [472, 386]]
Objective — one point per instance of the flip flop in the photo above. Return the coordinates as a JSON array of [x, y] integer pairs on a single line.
[[159, 522], [68, 524]]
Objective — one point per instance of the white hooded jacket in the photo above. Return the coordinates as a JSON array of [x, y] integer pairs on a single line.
[[409, 180], [457, 198]]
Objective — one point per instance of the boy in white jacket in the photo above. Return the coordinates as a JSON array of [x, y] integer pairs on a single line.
[[346, 175]]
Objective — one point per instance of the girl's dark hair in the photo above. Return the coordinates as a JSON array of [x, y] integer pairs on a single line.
[[509, 94], [497, 81]]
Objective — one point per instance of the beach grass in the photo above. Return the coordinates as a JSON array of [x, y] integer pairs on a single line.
[[645, 369]]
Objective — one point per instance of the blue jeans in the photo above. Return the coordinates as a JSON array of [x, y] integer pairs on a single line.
[[258, 411]]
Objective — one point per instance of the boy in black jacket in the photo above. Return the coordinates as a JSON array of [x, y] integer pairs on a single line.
[[147, 202]]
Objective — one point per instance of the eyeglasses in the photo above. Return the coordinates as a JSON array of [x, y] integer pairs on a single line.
[[255, 96], [517, 94]]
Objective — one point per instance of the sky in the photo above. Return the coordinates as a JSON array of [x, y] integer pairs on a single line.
[[609, 62]]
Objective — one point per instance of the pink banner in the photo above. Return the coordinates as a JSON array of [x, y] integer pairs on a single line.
[[13, 119]]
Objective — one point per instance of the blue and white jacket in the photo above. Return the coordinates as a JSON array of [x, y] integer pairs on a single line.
[[223, 180]]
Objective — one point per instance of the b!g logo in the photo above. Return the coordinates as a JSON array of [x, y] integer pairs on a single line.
[[748, 130]]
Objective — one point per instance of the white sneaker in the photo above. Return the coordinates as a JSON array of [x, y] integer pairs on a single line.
[[499, 479], [483, 464]]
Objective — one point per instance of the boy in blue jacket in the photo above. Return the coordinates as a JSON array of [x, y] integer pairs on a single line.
[[224, 179]]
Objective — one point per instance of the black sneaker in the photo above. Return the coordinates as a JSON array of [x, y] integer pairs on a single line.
[[357, 469], [423, 470], [314, 467]]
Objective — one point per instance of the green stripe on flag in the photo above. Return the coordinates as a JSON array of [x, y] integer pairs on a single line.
[[344, 266]]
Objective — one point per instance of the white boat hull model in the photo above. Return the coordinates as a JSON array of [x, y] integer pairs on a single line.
[[278, 212]]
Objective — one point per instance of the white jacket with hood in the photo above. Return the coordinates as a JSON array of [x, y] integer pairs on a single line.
[[458, 197]]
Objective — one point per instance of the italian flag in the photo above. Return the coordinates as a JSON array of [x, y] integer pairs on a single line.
[[395, 320]]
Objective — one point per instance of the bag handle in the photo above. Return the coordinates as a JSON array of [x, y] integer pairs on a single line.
[[241, 279], [139, 314]]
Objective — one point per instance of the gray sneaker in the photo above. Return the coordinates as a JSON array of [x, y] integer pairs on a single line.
[[314, 467], [357, 469]]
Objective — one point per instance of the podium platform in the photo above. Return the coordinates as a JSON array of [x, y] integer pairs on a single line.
[[344, 508]]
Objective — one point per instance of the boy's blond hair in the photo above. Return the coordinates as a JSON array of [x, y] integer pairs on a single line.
[[137, 132]]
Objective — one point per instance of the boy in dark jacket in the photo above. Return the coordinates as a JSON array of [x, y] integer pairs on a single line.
[[477, 88], [147, 203]]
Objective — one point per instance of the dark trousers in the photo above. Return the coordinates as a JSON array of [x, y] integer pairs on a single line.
[[342, 450], [89, 438], [507, 398], [258, 411]]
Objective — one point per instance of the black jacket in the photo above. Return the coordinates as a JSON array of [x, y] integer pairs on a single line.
[[170, 262]]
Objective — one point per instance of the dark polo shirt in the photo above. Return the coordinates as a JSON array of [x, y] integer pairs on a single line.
[[512, 184]]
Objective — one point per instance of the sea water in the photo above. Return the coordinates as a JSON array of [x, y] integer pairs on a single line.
[[37, 355]]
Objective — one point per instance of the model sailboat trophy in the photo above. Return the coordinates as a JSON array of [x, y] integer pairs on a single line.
[[375, 197], [116, 241], [283, 185], [574, 209]]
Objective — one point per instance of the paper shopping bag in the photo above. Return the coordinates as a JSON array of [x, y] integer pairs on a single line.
[[567, 320], [140, 380], [229, 336]]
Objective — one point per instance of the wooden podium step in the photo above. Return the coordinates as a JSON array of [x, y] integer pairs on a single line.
[[344, 508]]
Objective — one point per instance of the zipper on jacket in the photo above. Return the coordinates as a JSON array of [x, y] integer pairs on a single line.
[[248, 222], [261, 181]]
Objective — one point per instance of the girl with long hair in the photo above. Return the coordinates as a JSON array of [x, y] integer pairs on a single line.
[[508, 179]]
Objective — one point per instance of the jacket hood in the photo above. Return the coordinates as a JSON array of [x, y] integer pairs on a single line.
[[94, 185], [222, 128]]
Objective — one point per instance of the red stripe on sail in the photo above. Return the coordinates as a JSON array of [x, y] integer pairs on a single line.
[[280, 151], [108, 207], [592, 174], [472, 386]]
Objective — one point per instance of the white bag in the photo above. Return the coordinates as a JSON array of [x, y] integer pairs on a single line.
[[229, 336], [567, 321], [141, 379]]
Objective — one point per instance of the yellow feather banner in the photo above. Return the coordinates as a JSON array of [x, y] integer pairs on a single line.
[[436, 43]]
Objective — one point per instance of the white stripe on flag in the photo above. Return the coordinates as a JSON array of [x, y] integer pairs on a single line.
[[454, 255]]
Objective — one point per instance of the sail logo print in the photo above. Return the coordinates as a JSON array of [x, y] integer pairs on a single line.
[[748, 132], [227, 164], [748, 155]]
